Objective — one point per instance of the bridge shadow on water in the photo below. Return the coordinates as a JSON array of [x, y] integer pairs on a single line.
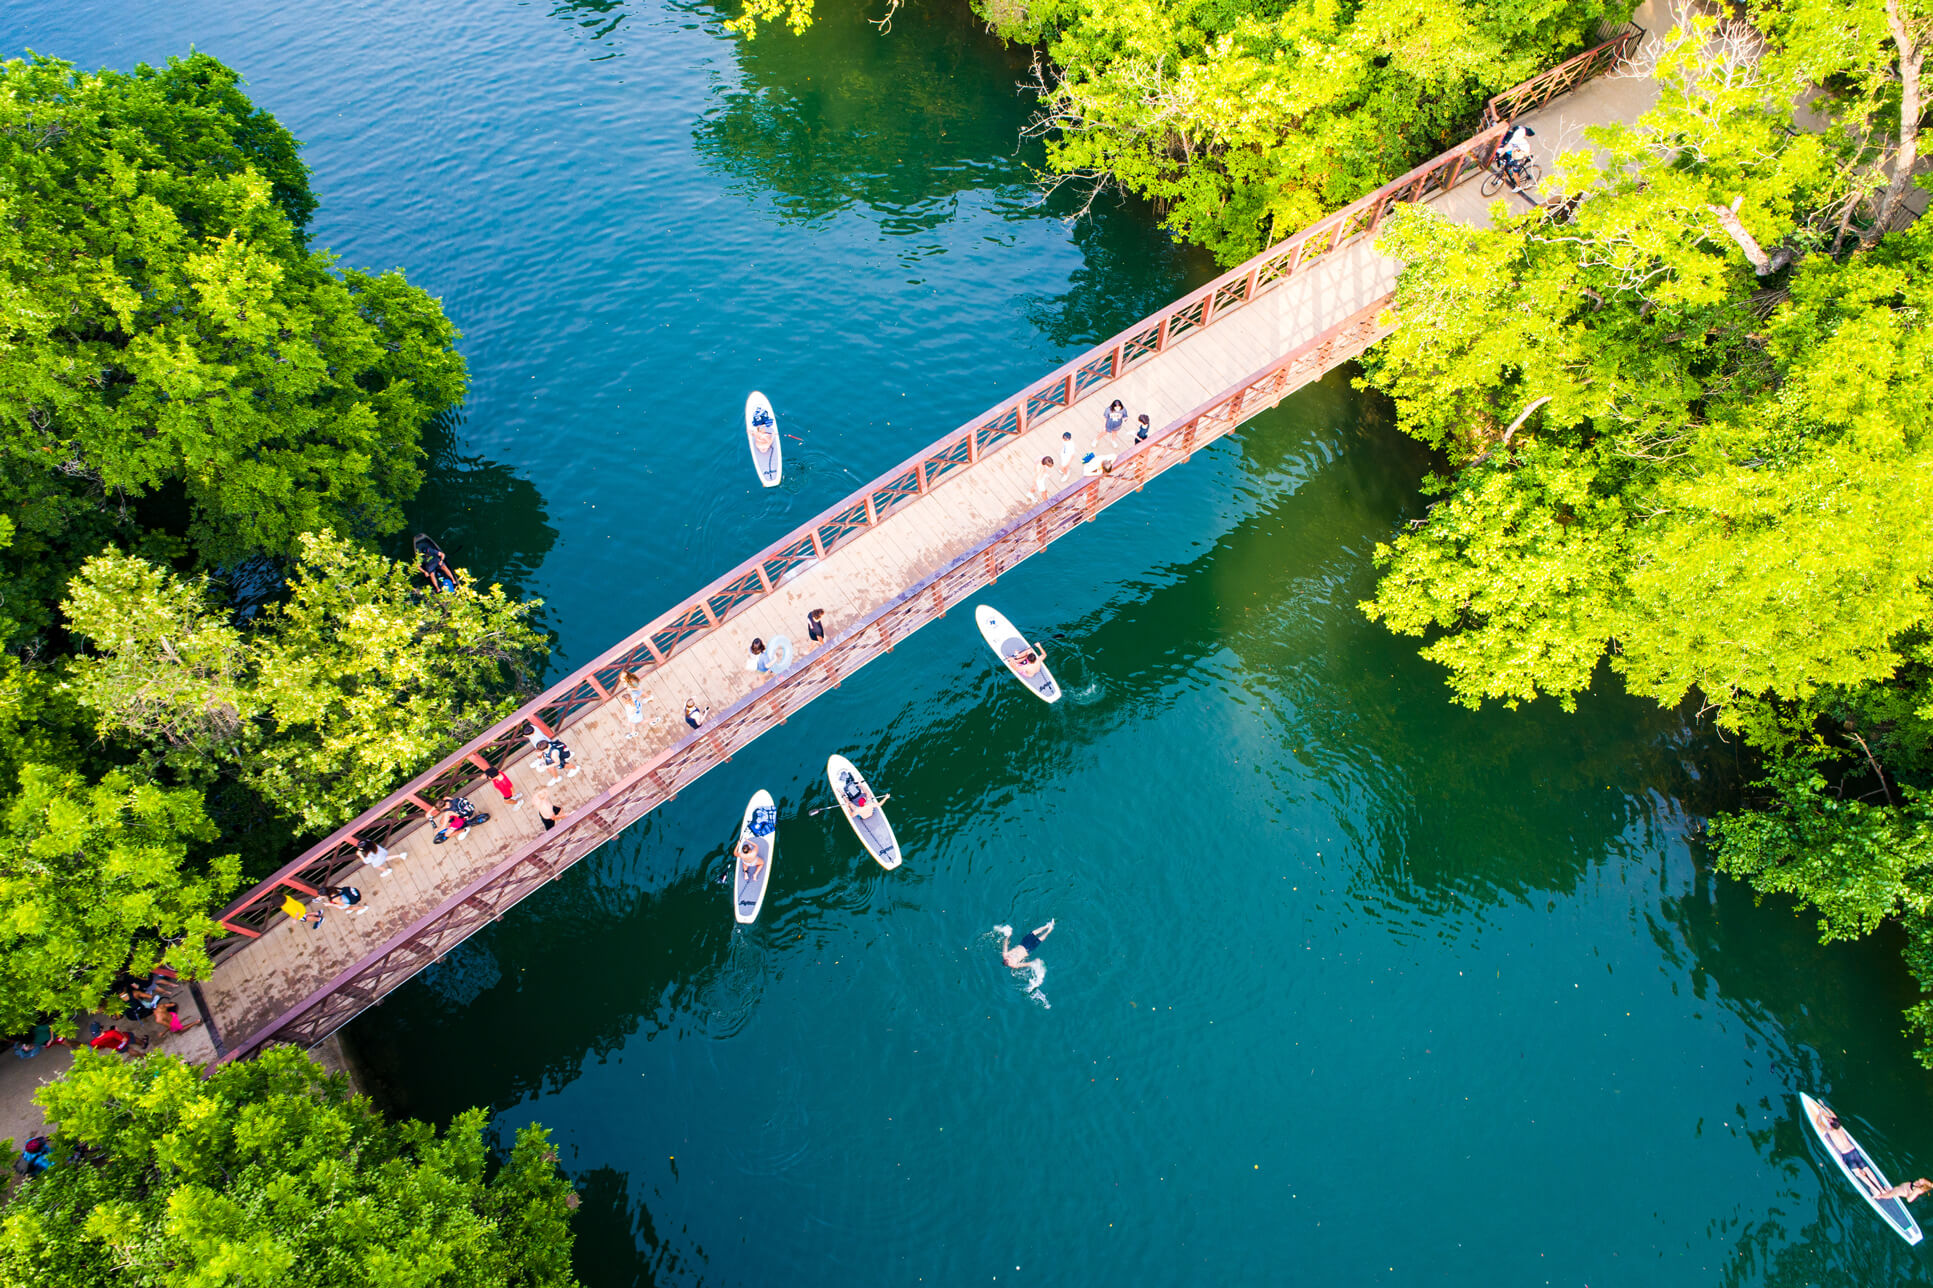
[[1215, 660]]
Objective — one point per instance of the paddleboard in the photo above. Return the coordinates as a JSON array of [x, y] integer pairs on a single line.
[[769, 463], [1007, 643], [875, 833], [1892, 1211], [748, 896]]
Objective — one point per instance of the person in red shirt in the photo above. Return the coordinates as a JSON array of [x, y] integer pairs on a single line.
[[112, 1040]]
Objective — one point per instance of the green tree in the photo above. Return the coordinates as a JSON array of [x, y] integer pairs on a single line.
[[1690, 436], [167, 327], [1246, 122], [94, 878], [358, 680], [1711, 491], [269, 1172]]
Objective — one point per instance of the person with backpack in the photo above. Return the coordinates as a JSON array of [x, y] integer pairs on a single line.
[[1514, 152], [554, 755]]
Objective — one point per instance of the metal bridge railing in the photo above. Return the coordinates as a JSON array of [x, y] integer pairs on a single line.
[[249, 916]]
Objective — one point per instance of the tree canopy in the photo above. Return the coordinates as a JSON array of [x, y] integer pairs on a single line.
[[1243, 122], [170, 332], [269, 1172], [357, 680], [1690, 438], [186, 385]]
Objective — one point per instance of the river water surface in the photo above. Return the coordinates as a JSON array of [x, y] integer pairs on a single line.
[[1348, 985]]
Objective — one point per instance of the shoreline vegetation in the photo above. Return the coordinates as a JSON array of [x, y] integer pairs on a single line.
[[210, 428]]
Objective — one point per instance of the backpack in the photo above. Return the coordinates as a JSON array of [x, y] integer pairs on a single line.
[[765, 821]]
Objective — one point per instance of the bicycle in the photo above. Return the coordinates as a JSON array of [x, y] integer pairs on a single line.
[[1514, 174]]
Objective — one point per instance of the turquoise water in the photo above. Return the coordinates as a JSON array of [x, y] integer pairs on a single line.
[[1348, 985]]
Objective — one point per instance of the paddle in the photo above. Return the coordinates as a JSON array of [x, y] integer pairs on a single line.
[[814, 813]]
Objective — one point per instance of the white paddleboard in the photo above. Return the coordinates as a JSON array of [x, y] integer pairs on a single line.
[[1007, 644], [770, 461], [748, 896], [875, 833], [1892, 1211]]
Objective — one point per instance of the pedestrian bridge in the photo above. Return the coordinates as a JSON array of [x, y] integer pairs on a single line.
[[896, 554]]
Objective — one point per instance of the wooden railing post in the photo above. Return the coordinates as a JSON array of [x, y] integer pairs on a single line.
[[764, 582]]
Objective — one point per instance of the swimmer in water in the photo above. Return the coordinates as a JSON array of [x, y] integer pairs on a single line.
[[1015, 955], [1020, 956]]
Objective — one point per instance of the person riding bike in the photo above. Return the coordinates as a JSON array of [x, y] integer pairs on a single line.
[[1513, 154]]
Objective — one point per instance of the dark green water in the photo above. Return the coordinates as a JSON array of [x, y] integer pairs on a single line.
[[1349, 986]]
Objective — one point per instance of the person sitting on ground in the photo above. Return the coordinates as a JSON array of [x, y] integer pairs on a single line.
[[1909, 1192], [695, 715], [1015, 955], [1027, 662], [38, 1156], [137, 1002], [750, 860], [432, 564], [34, 1043], [117, 1040], [169, 1013], [1141, 434], [758, 661]]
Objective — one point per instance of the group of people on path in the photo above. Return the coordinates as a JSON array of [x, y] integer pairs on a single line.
[[1100, 455]]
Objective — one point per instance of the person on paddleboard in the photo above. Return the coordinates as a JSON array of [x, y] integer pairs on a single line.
[[855, 794], [1840, 1141], [750, 861], [1027, 663], [1907, 1192], [762, 438]]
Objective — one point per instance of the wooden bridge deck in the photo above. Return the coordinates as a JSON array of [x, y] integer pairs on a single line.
[[894, 555]]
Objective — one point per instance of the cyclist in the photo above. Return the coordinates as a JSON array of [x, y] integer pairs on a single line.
[[1514, 153]]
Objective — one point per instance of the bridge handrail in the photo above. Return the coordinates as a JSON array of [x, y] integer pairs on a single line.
[[249, 915], [1612, 47], [748, 715]]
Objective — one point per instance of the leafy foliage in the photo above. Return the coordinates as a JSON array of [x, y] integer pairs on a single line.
[[359, 680], [94, 876], [268, 1172], [1244, 122], [1692, 438], [167, 328]]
